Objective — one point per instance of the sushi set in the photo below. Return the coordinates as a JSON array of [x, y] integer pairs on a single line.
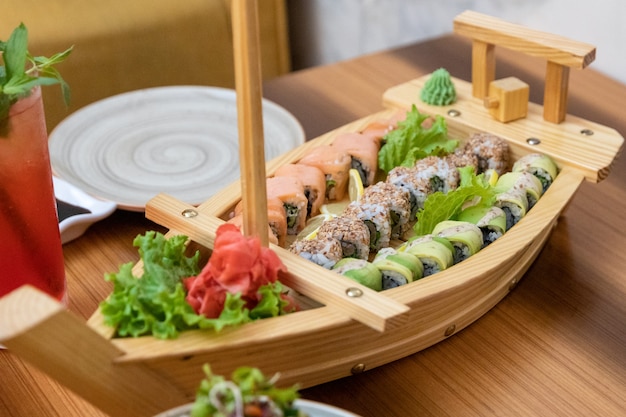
[[374, 290]]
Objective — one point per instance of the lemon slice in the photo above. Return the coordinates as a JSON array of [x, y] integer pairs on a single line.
[[334, 209], [312, 226], [492, 177], [355, 185]]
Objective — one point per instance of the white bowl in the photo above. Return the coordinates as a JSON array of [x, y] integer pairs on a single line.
[[312, 408], [75, 225]]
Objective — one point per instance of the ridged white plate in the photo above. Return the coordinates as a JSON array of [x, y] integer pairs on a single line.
[[182, 141], [311, 408]]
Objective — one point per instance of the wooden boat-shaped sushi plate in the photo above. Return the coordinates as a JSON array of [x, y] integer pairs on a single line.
[[344, 328]]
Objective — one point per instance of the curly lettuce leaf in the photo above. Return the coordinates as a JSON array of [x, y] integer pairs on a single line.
[[439, 207], [410, 141], [155, 302]]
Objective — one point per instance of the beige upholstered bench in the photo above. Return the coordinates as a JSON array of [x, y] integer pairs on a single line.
[[123, 45]]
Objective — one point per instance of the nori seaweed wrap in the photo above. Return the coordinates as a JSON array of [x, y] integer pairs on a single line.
[[540, 165], [490, 220]]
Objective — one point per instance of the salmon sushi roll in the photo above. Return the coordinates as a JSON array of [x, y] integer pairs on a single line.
[[237, 220], [290, 191], [335, 164], [276, 218], [363, 151], [314, 182]]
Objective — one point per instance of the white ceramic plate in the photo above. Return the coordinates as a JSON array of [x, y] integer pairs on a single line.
[[182, 141], [312, 408], [75, 225]]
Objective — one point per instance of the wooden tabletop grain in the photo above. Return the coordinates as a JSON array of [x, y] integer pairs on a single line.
[[555, 346]]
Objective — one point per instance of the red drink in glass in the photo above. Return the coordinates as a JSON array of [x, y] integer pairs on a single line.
[[30, 241]]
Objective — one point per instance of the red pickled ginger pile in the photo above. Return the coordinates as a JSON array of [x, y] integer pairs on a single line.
[[238, 264]]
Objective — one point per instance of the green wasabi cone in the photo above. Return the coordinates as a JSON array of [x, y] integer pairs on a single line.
[[490, 220], [434, 252], [438, 89], [361, 271], [540, 165], [465, 237]]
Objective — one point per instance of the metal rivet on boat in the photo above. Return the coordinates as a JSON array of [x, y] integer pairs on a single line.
[[359, 368], [354, 292], [533, 141], [454, 113], [512, 284], [451, 328], [586, 132], [189, 213]]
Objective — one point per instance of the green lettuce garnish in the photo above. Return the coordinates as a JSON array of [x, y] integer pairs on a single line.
[[410, 141], [155, 303], [439, 207]]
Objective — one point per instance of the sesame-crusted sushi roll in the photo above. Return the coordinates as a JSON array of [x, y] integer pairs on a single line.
[[325, 251], [462, 159], [419, 188], [399, 203], [290, 191], [397, 268], [314, 182], [435, 253], [363, 149], [540, 165], [466, 238], [335, 164], [361, 271], [524, 181], [376, 217], [491, 150], [490, 220], [441, 172], [352, 233]]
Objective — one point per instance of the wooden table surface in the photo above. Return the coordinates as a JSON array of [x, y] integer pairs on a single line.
[[555, 346]]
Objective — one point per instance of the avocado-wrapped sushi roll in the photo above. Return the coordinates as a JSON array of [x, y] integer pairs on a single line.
[[490, 220], [398, 200], [435, 253], [466, 238], [523, 181], [325, 251], [514, 203], [361, 271], [352, 233], [376, 217], [419, 188], [540, 165], [397, 268]]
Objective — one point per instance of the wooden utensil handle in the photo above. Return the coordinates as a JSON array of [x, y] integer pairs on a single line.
[[561, 53]]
